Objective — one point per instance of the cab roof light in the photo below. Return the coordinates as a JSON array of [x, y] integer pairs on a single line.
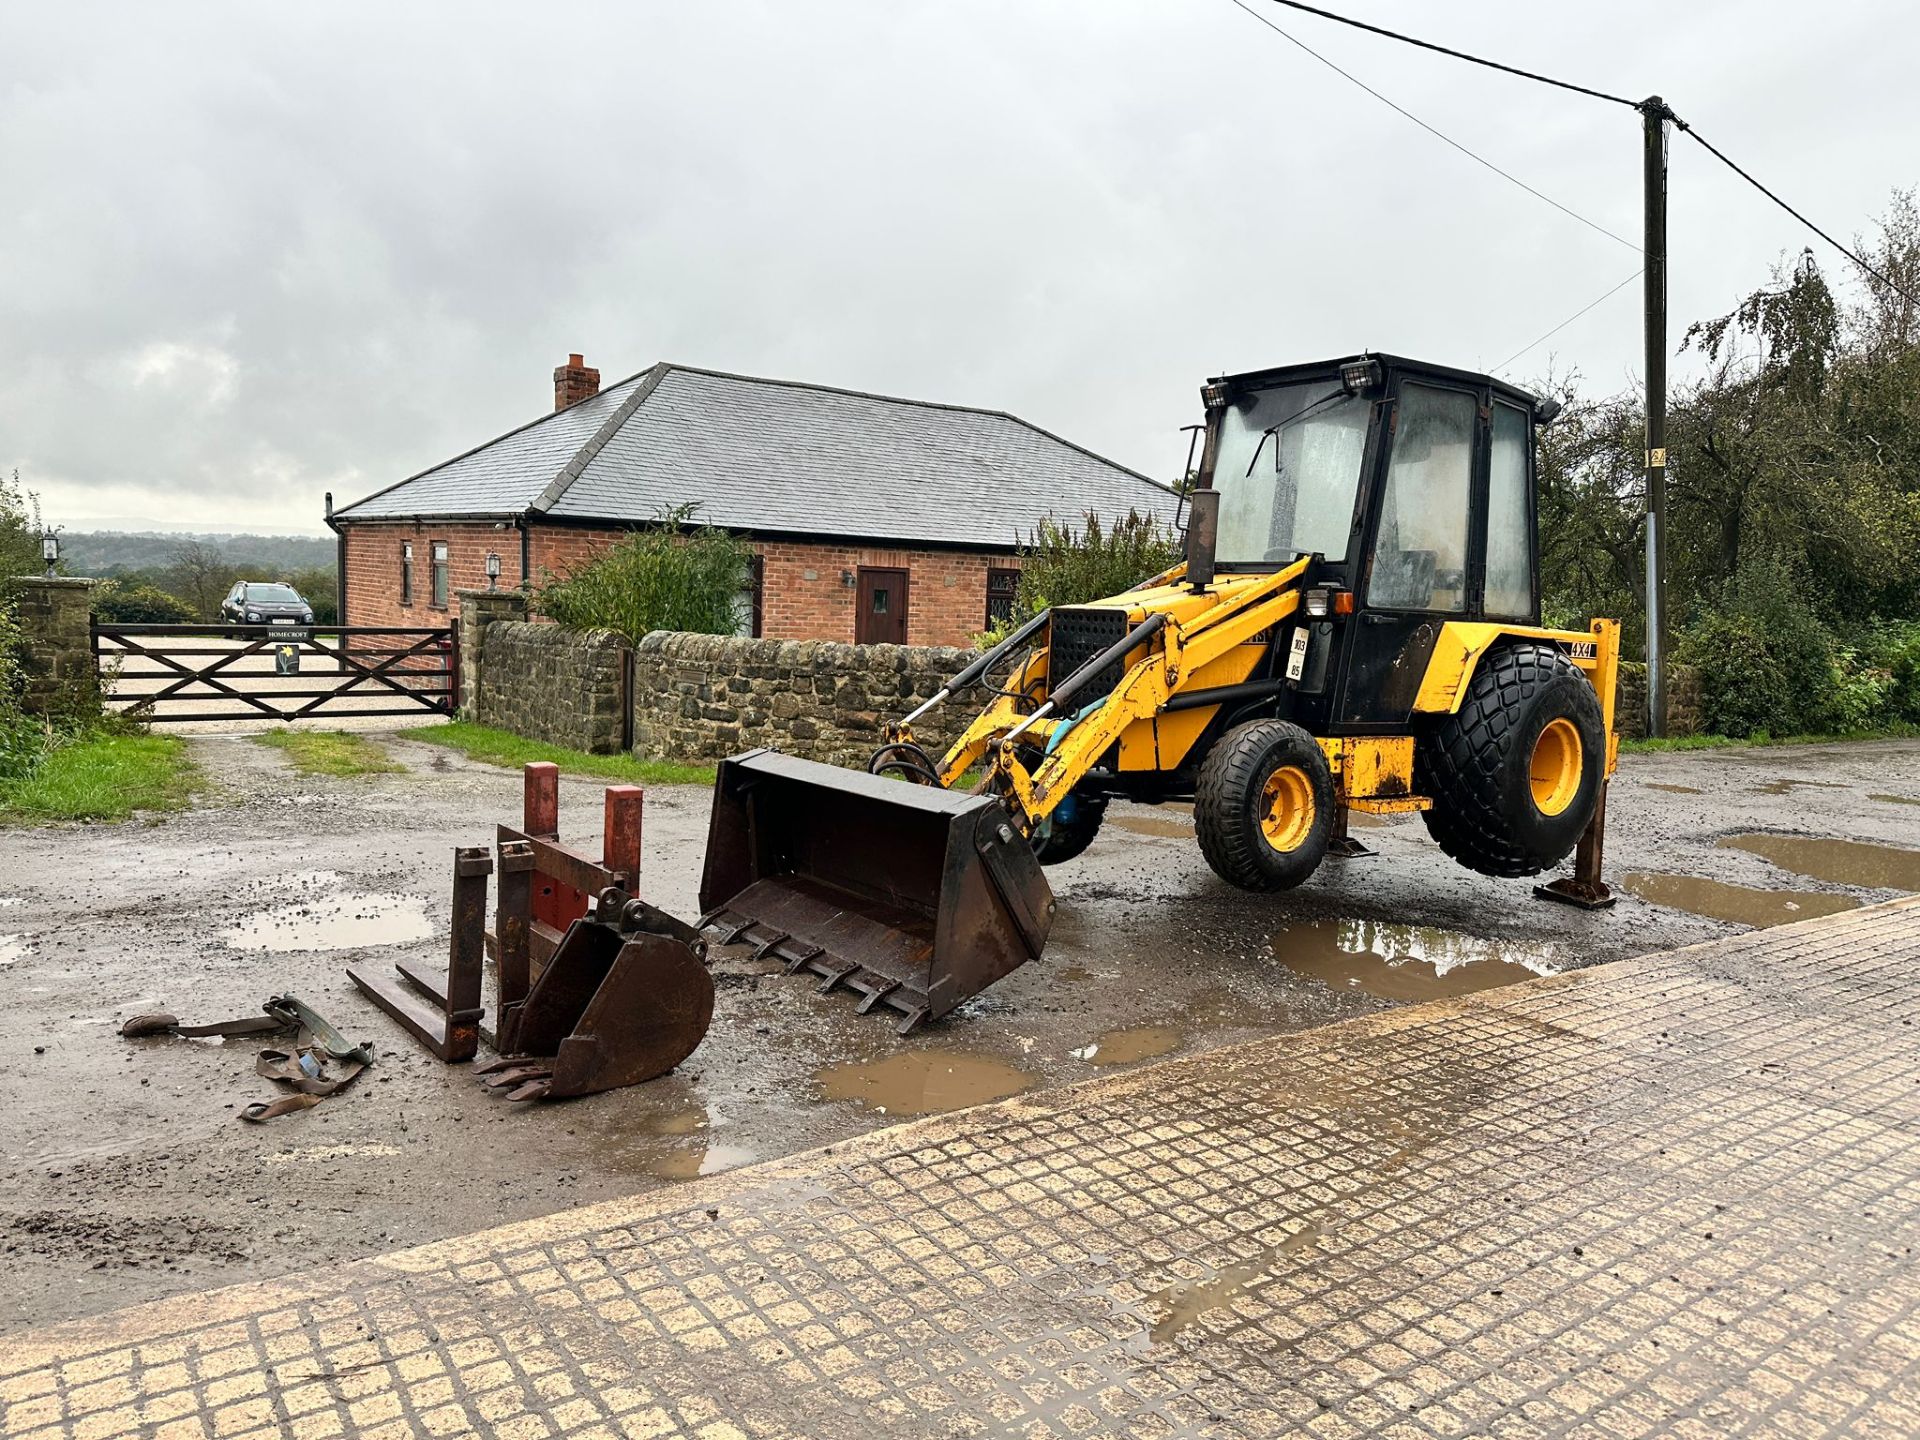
[[1215, 395], [1357, 377]]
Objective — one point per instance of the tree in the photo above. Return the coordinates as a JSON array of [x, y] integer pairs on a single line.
[[20, 530], [201, 576]]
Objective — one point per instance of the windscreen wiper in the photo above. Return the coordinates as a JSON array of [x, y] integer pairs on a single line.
[[1279, 425]]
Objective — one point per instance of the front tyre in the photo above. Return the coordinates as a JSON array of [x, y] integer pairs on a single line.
[[1070, 829], [1265, 805], [1516, 773]]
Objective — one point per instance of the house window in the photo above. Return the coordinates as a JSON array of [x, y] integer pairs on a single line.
[[406, 572], [1002, 583], [439, 574]]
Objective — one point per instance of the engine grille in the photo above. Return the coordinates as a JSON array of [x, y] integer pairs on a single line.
[[1080, 632]]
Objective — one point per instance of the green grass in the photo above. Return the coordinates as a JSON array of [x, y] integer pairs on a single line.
[[1723, 742], [330, 752], [503, 747], [102, 777]]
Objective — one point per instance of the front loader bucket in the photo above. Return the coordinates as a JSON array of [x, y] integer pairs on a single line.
[[913, 896], [612, 1007]]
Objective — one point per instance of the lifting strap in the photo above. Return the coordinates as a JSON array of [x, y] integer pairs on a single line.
[[304, 1068]]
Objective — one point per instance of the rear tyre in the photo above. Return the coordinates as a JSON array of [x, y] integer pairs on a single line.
[[1070, 829], [1264, 806], [1514, 776]]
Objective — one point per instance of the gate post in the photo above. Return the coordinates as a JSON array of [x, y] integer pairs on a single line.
[[56, 651], [478, 610]]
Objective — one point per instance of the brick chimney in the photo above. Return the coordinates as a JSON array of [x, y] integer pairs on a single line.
[[574, 382]]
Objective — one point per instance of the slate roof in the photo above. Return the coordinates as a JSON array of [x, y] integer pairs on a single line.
[[773, 457]]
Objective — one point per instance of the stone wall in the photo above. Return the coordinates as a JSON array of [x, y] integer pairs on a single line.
[[1683, 700], [56, 646], [702, 697], [566, 687]]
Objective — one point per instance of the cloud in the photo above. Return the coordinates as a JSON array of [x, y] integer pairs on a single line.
[[252, 253]]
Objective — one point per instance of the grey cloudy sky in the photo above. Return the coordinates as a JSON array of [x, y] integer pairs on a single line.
[[253, 252]]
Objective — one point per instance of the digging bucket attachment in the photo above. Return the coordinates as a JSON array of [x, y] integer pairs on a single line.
[[911, 896], [617, 1004]]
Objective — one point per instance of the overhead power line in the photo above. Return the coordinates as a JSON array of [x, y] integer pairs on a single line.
[[1460, 54], [1482, 60], [1721, 156], [1437, 134], [1568, 321]]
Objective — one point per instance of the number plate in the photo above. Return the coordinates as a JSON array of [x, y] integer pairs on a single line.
[[1297, 653]]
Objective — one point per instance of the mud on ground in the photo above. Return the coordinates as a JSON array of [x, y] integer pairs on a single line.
[[124, 1174]]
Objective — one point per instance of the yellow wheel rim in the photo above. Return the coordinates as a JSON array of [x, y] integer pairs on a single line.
[[1555, 770], [1286, 808]]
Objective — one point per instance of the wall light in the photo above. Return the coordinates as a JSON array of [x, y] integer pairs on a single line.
[[846, 578], [50, 552], [493, 570]]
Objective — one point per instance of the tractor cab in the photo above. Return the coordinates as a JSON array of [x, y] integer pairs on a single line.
[[1410, 486]]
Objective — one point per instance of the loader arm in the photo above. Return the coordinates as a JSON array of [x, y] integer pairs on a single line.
[[1199, 628]]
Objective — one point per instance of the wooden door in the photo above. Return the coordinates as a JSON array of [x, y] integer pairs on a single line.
[[880, 615]]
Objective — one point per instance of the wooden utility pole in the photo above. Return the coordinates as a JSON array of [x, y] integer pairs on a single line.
[[1654, 112]]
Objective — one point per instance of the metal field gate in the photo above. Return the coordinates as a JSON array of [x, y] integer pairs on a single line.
[[173, 673]]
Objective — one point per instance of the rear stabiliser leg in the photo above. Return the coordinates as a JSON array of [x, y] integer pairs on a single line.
[[1585, 888]]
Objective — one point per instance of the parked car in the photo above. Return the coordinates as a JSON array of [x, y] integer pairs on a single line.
[[254, 602]]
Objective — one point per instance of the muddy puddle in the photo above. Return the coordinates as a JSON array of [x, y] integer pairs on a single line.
[[13, 947], [1156, 825], [1735, 904], [1138, 1042], [1838, 862], [337, 922], [1675, 789], [691, 1160], [922, 1082], [1896, 799], [1782, 785], [1410, 962]]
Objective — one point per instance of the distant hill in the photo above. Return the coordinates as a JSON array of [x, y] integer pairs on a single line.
[[112, 552]]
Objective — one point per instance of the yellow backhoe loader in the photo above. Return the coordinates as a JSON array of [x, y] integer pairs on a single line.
[[1355, 627]]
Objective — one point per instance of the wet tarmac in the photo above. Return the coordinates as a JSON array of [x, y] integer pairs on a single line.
[[124, 1174]]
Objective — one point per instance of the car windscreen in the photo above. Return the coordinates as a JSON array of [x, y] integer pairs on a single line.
[[274, 595]]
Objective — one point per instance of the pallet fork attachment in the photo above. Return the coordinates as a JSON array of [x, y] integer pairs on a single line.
[[442, 1008]]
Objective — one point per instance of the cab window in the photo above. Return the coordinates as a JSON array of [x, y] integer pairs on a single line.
[[1420, 549], [1509, 521]]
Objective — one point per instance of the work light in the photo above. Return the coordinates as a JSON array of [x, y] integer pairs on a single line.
[[1213, 396], [1359, 376]]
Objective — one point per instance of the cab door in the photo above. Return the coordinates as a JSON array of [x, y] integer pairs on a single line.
[[1421, 563]]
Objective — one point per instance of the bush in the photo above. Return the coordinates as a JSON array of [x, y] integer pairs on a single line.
[[670, 577], [133, 602], [1063, 566], [23, 739], [1892, 649], [1767, 667]]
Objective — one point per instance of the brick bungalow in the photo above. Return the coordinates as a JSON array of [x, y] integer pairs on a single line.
[[871, 519]]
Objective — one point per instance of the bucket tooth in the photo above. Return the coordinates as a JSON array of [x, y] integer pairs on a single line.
[[917, 896]]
